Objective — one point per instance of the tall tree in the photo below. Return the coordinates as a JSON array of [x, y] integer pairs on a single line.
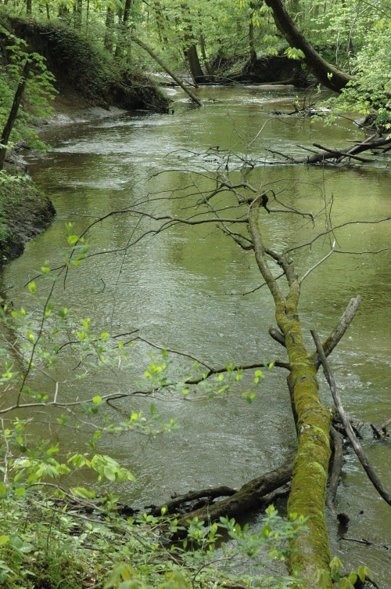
[[9, 125], [326, 73]]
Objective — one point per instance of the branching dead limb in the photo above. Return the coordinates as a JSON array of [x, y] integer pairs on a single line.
[[381, 431], [249, 498], [348, 428], [336, 468], [178, 504], [337, 334], [375, 143]]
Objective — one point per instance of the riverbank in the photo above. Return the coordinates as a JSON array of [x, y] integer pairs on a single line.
[[24, 213], [84, 79]]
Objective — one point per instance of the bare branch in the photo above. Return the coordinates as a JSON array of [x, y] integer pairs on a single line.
[[345, 420], [329, 253], [337, 461], [337, 334], [277, 335], [332, 229]]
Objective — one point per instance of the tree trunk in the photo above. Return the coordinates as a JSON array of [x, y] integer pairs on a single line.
[[78, 12], [13, 112], [308, 492], [193, 61], [126, 13], [29, 7], [169, 72], [161, 21], [108, 41], [251, 38], [326, 73], [190, 47]]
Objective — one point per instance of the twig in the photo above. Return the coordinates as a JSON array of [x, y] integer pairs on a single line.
[[336, 468], [335, 336], [338, 154], [345, 420]]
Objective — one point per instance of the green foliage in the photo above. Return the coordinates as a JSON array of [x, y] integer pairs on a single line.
[[340, 579], [38, 93], [47, 539], [370, 93]]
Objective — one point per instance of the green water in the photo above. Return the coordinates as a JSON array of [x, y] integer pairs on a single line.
[[190, 289]]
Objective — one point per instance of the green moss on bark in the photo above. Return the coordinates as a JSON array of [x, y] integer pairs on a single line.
[[308, 491], [311, 552]]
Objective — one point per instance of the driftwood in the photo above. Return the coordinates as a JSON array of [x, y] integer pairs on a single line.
[[180, 503], [381, 431], [336, 468], [376, 143], [348, 428], [253, 496]]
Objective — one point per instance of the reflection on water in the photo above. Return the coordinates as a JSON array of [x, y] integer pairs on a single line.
[[191, 288]]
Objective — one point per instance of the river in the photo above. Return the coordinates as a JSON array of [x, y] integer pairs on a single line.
[[191, 289]]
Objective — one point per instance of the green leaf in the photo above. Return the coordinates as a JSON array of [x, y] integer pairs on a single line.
[[20, 492], [4, 539], [83, 492], [32, 287], [363, 572], [72, 239], [45, 268]]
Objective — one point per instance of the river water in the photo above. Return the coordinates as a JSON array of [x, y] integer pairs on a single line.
[[191, 289]]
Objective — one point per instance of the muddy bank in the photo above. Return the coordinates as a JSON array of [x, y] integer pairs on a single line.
[[81, 69], [24, 213]]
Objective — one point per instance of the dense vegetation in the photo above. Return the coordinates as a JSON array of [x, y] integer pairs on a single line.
[[71, 536]]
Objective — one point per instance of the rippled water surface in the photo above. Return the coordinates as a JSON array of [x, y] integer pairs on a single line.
[[191, 288]]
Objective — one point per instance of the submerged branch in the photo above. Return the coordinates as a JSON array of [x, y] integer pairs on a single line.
[[345, 420], [336, 467], [248, 498], [333, 155]]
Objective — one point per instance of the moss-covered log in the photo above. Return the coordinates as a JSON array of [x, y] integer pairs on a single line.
[[308, 491]]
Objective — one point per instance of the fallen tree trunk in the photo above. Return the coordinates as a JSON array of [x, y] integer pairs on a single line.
[[374, 143], [249, 498], [310, 552], [150, 52]]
